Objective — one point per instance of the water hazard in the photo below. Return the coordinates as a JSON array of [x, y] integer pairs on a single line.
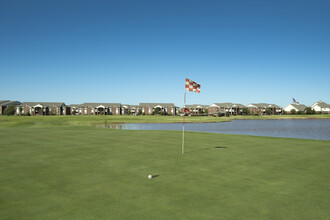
[[290, 128]]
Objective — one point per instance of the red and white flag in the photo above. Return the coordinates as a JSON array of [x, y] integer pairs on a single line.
[[192, 86]]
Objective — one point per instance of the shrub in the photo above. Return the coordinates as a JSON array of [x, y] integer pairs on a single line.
[[10, 110], [293, 111], [300, 112]]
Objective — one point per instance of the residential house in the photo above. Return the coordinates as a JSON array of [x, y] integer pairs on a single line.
[[261, 108], [100, 109], [229, 108], [44, 108], [125, 108], [297, 107], [135, 109], [162, 108], [5, 103], [197, 108], [321, 107], [76, 109]]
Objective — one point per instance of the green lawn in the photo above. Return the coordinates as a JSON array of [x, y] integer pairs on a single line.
[[51, 168]]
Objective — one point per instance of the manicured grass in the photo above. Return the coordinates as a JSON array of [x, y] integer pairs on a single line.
[[82, 120], [50, 171]]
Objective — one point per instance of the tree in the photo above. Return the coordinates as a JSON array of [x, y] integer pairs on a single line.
[[206, 111], [129, 112], [10, 110], [293, 111], [268, 111], [20, 109], [310, 111], [245, 111]]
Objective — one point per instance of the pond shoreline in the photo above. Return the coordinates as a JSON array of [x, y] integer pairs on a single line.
[[202, 122], [294, 128]]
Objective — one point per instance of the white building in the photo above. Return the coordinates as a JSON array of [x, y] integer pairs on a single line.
[[321, 107], [297, 107]]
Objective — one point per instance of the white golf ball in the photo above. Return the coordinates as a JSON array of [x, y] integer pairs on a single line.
[[149, 176]]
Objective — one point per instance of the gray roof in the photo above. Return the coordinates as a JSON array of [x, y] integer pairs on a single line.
[[322, 104], [156, 104], [265, 105], [196, 106], [133, 106], [45, 104], [74, 105], [300, 107], [3, 101], [7, 103], [108, 105], [229, 105]]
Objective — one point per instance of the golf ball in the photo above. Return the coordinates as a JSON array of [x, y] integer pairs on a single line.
[[149, 176]]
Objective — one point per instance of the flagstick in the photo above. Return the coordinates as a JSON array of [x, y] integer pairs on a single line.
[[184, 115]]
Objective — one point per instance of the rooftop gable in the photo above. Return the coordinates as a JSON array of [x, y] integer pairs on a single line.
[[299, 107], [321, 104], [196, 106], [153, 105], [228, 105], [107, 105], [263, 105], [44, 104]]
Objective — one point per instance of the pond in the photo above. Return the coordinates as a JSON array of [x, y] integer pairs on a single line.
[[290, 128]]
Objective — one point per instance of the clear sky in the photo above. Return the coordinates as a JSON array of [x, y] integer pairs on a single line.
[[142, 51]]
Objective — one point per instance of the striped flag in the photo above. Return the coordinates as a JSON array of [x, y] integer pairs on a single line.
[[192, 86], [294, 101]]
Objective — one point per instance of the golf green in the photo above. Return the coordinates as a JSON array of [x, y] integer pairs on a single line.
[[83, 172]]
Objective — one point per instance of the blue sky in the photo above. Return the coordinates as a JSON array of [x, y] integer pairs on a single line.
[[142, 51]]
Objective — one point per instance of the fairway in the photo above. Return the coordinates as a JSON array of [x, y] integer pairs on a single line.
[[82, 172]]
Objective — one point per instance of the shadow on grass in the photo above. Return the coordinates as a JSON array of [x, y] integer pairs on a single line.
[[154, 176], [207, 148]]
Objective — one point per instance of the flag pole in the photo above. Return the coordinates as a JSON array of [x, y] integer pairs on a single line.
[[184, 115]]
